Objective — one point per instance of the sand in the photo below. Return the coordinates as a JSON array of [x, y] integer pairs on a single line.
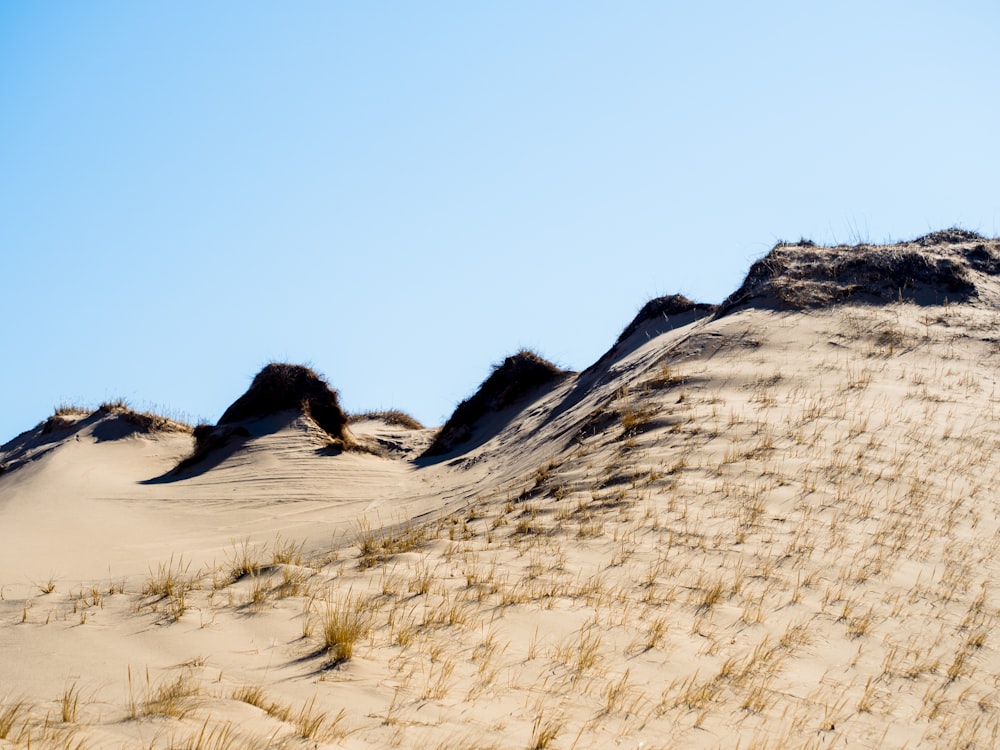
[[772, 528]]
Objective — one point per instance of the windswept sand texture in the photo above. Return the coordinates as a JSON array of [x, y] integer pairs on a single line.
[[771, 524]]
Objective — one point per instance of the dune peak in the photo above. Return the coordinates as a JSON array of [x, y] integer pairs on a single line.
[[667, 306], [278, 388], [933, 269], [510, 381], [286, 387]]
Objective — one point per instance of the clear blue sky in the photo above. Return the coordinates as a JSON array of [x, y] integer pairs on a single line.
[[401, 194]]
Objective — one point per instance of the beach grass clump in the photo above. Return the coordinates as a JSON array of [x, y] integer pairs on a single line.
[[285, 387], [345, 621], [511, 381], [391, 417]]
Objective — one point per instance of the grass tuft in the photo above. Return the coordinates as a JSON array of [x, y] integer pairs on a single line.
[[176, 697], [344, 622], [391, 417], [9, 716]]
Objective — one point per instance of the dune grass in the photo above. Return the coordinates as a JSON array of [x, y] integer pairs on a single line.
[[790, 551]]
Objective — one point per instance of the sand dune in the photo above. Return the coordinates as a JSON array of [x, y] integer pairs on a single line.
[[771, 523]]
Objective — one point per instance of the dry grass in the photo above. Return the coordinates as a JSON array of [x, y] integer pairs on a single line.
[[793, 551], [376, 546], [344, 622], [11, 715], [245, 559], [70, 703], [170, 584], [253, 695], [145, 421], [544, 732], [175, 697], [311, 722], [220, 737], [391, 417], [169, 579], [286, 552]]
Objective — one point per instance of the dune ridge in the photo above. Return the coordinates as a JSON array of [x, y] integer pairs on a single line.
[[771, 523]]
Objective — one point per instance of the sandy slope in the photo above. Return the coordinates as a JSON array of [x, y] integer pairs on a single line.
[[776, 528], [87, 506]]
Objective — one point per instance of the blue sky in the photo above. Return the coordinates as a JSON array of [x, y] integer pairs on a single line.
[[401, 194]]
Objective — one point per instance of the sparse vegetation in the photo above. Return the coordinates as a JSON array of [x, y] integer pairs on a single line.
[[376, 546], [663, 309], [345, 621], [778, 531], [245, 559], [391, 417], [511, 381], [276, 388], [174, 697], [66, 416], [144, 421], [10, 716], [70, 704]]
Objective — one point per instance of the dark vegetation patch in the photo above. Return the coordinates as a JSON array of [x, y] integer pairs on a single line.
[[371, 447], [982, 258], [637, 420], [803, 277], [209, 438], [905, 270], [663, 307], [284, 387], [950, 236], [391, 417], [665, 377], [599, 421], [64, 417], [144, 421], [279, 387], [57, 423], [515, 378]]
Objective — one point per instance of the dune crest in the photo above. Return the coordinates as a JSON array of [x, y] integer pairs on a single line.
[[769, 524], [512, 381], [934, 269]]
